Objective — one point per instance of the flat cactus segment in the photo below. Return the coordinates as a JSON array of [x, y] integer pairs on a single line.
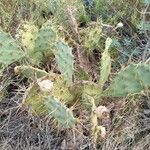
[[43, 44], [35, 93], [9, 49], [28, 36], [64, 59], [63, 115], [30, 72], [105, 63], [92, 38], [60, 89], [34, 100], [45, 38], [132, 80], [144, 74]]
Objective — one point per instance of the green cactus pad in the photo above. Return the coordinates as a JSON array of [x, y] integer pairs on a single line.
[[41, 103], [132, 80], [30, 72], [64, 59], [92, 38], [9, 49], [34, 100], [105, 63], [59, 90], [38, 44], [28, 36], [63, 115], [45, 40]]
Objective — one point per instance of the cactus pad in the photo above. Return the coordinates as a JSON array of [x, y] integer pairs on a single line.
[[45, 38], [93, 36], [35, 95], [9, 49], [62, 114], [40, 102], [132, 80], [64, 59], [30, 72], [34, 100], [28, 36], [44, 41], [105, 63]]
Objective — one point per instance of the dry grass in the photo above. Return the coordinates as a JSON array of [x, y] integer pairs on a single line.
[[19, 130], [133, 134]]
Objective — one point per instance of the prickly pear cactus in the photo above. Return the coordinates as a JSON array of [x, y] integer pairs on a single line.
[[30, 72], [63, 115], [84, 91], [41, 103], [28, 35], [64, 59], [61, 90], [34, 100], [45, 38], [34, 95], [93, 38], [105, 63], [38, 44], [132, 80], [44, 42], [9, 49]]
